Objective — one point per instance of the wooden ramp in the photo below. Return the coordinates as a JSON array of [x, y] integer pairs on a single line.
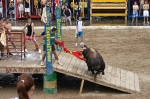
[[114, 77]]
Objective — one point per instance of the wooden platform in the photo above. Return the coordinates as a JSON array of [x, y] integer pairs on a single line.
[[114, 77]]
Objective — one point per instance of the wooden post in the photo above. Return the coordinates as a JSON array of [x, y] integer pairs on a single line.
[[81, 87]]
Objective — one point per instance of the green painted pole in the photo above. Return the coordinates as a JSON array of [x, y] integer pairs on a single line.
[[50, 78], [59, 24]]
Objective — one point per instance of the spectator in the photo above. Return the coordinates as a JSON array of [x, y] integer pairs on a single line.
[[11, 9], [141, 6], [25, 86], [38, 10], [85, 8], [79, 32], [67, 14], [1, 8], [135, 12], [146, 12], [76, 11], [62, 15], [27, 9], [21, 9]]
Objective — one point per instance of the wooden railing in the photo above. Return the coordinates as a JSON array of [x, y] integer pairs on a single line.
[[19, 43]]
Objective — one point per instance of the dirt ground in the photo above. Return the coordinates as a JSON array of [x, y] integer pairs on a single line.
[[125, 49]]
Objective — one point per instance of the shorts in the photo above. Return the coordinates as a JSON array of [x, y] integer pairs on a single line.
[[11, 12], [79, 34], [10, 38], [68, 18], [135, 14], [85, 10], [21, 7], [53, 48], [75, 13], [27, 38], [141, 6], [1, 10], [146, 13], [27, 9]]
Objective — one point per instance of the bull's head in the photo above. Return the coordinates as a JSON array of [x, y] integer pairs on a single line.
[[85, 51]]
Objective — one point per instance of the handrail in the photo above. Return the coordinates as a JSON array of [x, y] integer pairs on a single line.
[[19, 34]]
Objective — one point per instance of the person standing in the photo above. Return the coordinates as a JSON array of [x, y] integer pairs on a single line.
[[146, 12], [1, 8], [21, 9], [53, 47], [8, 27], [11, 9], [31, 35], [135, 12], [38, 11], [27, 8], [141, 6], [62, 15], [85, 8], [79, 32], [76, 11], [67, 14]]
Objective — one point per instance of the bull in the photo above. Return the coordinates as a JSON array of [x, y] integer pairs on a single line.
[[94, 61]]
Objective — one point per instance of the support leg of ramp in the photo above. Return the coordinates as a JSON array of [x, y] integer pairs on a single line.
[[81, 87]]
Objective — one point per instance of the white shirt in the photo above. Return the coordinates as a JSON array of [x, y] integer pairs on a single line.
[[79, 25]]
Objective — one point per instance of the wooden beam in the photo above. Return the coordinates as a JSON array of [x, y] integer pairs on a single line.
[[108, 0], [109, 8], [108, 14], [81, 87]]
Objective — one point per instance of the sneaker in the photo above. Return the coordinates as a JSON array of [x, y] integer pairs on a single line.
[[82, 43], [143, 22], [17, 50], [76, 44], [26, 50], [58, 62], [40, 51], [147, 22], [42, 63]]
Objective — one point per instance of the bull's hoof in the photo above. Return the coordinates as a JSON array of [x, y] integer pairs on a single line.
[[103, 73]]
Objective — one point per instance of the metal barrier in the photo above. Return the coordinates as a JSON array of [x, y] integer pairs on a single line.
[[16, 42]]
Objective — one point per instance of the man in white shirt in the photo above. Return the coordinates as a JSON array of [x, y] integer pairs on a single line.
[[79, 32]]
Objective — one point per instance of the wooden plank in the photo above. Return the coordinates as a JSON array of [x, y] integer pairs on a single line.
[[71, 65], [137, 86], [118, 77], [60, 58], [108, 1], [82, 64], [124, 83], [66, 65], [108, 14], [113, 76], [63, 57], [109, 7], [131, 80]]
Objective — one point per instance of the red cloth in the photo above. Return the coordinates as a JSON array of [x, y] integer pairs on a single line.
[[77, 54], [56, 3]]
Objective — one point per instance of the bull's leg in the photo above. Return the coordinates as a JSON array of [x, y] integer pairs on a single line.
[[92, 72], [103, 73], [97, 72]]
